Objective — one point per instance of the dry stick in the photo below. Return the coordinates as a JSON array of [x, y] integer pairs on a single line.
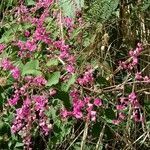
[[139, 138], [84, 135], [121, 137], [74, 140], [99, 142], [128, 125], [118, 69], [61, 25], [113, 88]]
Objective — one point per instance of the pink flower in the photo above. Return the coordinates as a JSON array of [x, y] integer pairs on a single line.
[[138, 76], [98, 102], [27, 33], [64, 54], [52, 92], [28, 78], [74, 94], [21, 45], [131, 53], [6, 64], [137, 116], [13, 101], [27, 102], [134, 61], [77, 114], [132, 96], [70, 68], [123, 100], [2, 47], [116, 122], [68, 22], [40, 102], [15, 73], [45, 125], [64, 113], [39, 81], [44, 3], [87, 99], [93, 118], [31, 46], [93, 115], [122, 116], [123, 65], [120, 107], [87, 78], [140, 47], [147, 79], [13, 129], [71, 59]]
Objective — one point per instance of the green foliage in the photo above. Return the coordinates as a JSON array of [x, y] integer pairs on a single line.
[[65, 86], [103, 10], [10, 29], [31, 67], [110, 114], [86, 41], [69, 7], [145, 5], [53, 78], [64, 97], [52, 62], [29, 2]]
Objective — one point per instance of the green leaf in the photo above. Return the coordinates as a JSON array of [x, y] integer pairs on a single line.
[[1, 97], [18, 144], [63, 96], [69, 7], [52, 62], [97, 127], [109, 113], [11, 30], [102, 81], [103, 10], [30, 2], [65, 86], [53, 78], [31, 67]]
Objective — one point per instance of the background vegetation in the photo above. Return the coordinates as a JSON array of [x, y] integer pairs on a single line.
[[104, 33]]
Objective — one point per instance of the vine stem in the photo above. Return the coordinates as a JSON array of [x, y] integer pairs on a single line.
[[114, 87], [84, 135], [61, 25], [99, 142]]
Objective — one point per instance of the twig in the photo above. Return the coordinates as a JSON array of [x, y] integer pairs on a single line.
[[84, 135], [99, 142]]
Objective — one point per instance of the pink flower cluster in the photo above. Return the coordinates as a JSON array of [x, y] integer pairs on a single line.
[[68, 22], [139, 77], [84, 108], [40, 34], [124, 103], [134, 54], [86, 79], [36, 81], [32, 97], [44, 3], [65, 55], [2, 47], [32, 110], [8, 66], [40, 106]]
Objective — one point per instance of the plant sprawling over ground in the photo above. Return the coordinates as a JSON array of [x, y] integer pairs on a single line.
[[74, 75]]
